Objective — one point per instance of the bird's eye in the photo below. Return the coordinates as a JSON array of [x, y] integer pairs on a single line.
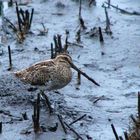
[[66, 58]]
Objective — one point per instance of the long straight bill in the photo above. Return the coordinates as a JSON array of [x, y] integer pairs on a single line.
[[84, 74]]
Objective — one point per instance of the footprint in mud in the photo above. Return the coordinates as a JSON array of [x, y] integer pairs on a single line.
[[95, 99], [130, 95]]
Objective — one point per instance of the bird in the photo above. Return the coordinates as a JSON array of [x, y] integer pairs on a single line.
[[52, 74]]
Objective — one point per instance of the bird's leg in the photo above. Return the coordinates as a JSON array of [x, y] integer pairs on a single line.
[[36, 115], [42, 89], [47, 102]]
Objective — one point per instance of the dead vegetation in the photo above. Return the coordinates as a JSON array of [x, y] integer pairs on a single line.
[[24, 26], [134, 130], [134, 133], [24, 20]]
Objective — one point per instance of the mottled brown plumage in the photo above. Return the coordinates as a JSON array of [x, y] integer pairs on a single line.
[[54, 73]]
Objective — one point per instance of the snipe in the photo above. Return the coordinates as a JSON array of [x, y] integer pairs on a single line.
[[53, 73]]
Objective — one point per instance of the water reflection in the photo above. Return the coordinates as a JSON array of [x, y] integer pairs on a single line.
[[5, 5]]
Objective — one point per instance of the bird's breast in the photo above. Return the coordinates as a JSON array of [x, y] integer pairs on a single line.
[[60, 78]]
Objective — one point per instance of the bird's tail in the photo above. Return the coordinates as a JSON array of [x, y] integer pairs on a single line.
[[18, 74]]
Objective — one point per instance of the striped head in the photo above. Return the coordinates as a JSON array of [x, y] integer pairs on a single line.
[[64, 58]]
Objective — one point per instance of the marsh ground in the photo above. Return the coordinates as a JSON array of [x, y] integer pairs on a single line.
[[117, 71]]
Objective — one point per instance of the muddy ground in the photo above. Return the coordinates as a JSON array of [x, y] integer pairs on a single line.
[[115, 65]]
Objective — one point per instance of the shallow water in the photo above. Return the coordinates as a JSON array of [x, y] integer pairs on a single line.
[[117, 71]]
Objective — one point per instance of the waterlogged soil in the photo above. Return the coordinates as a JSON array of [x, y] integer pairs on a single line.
[[115, 65]]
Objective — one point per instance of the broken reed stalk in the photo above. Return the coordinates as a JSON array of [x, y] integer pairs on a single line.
[[10, 58], [101, 40], [75, 44], [101, 35], [18, 16], [62, 123], [10, 3], [114, 131], [99, 98], [78, 36], [78, 78], [80, 8], [38, 110], [56, 45], [92, 2], [11, 24], [82, 23], [126, 136], [52, 53], [139, 105], [71, 129], [26, 22], [66, 43], [55, 41], [31, 18], [36, 115], [108, 3], [108, 30], [84, 74], [24, 115], [22, 14], [26, 19], [107, 18], [120, 138], [78, 119], [134, 120], [47, 102], [43, 26], [0, 127], [1, 8], [59, 42], [124, 11]]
